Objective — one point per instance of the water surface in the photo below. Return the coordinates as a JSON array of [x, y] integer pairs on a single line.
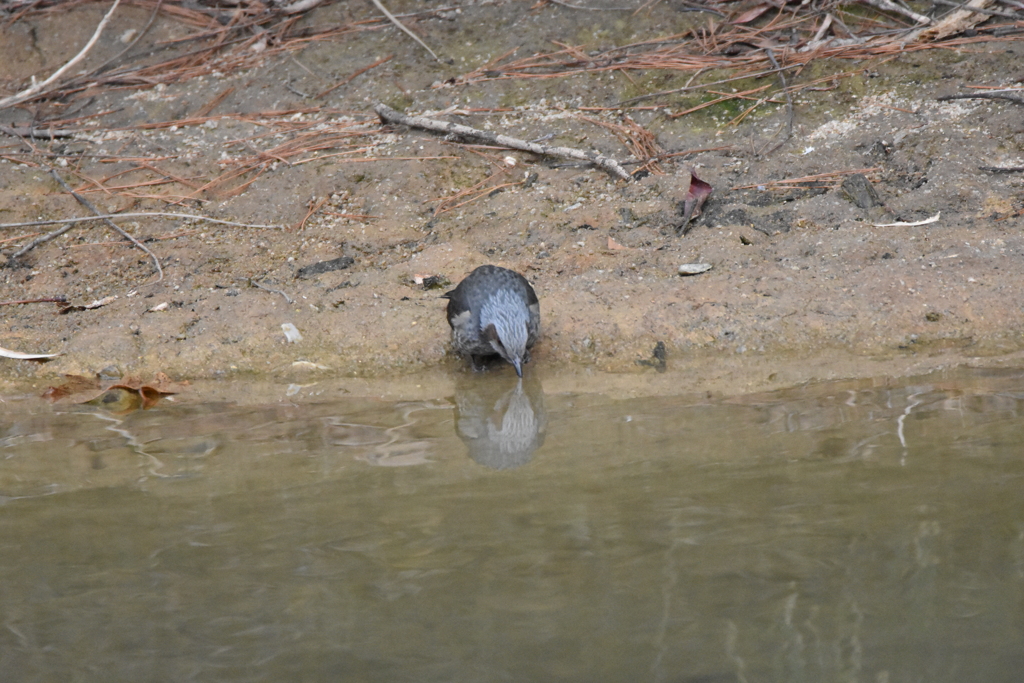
[[860, 531]]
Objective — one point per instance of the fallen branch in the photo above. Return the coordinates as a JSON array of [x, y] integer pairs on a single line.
[[139, 214], [86, 203], [389, 115], [33, 132], [37, 88], [36, 242]]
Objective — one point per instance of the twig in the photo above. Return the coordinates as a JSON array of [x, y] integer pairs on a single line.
[[86, 203], [724, 98], [355, 73], [396, 22], [479, 190], [37, 241], [1002, 169], [389, 115], [890, 6], [32, 132], [212, 104], [37, 88], [817, 177], [561, 3], [49, 300], [982, 96], [640, 141], [689, 87], [20, 237], [789, 103], [313, 208], [977, 10], [138, 37], [139, 214], [254, 283]]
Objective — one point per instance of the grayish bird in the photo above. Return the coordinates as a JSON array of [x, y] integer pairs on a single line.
[[494, 312]]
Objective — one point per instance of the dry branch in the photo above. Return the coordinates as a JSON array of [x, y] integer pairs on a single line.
[[37, 88], [85, 202], [396, 22], [139, 214], [389, 115]]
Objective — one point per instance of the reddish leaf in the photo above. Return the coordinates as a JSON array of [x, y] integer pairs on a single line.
[[129, 394], [695, 197]]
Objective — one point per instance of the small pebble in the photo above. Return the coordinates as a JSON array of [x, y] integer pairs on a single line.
[[291, 333], [694, 268]]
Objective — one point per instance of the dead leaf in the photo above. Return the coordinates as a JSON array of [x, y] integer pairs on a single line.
[[750, 14], [695, 197], [126, 395], [73, 384]]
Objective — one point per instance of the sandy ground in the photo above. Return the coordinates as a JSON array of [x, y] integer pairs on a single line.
[[805, 284]]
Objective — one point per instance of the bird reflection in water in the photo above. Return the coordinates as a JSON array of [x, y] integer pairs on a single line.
[[501, 425]]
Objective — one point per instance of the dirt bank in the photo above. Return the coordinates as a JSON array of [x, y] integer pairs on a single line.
[[805, 283]]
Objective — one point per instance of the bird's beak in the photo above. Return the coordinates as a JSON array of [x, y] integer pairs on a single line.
[[518, 365]]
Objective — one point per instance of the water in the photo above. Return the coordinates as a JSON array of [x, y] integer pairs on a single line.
[[863, 531]]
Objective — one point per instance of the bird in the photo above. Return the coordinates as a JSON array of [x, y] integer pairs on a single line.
[[494, 312]]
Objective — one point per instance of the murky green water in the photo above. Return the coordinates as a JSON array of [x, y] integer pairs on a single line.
[[851, 532]]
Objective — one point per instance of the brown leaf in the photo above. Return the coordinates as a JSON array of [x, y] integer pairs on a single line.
[[165, 385], [128, 394], [150, 396], [73, 384], [54, 394], [695, 197], [750, 14]]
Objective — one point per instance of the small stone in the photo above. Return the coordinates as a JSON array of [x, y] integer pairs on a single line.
[[694, 268], [858, 189], [291, 333]]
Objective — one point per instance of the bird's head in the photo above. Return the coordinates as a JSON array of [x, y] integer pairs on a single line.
[[504, 324]]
